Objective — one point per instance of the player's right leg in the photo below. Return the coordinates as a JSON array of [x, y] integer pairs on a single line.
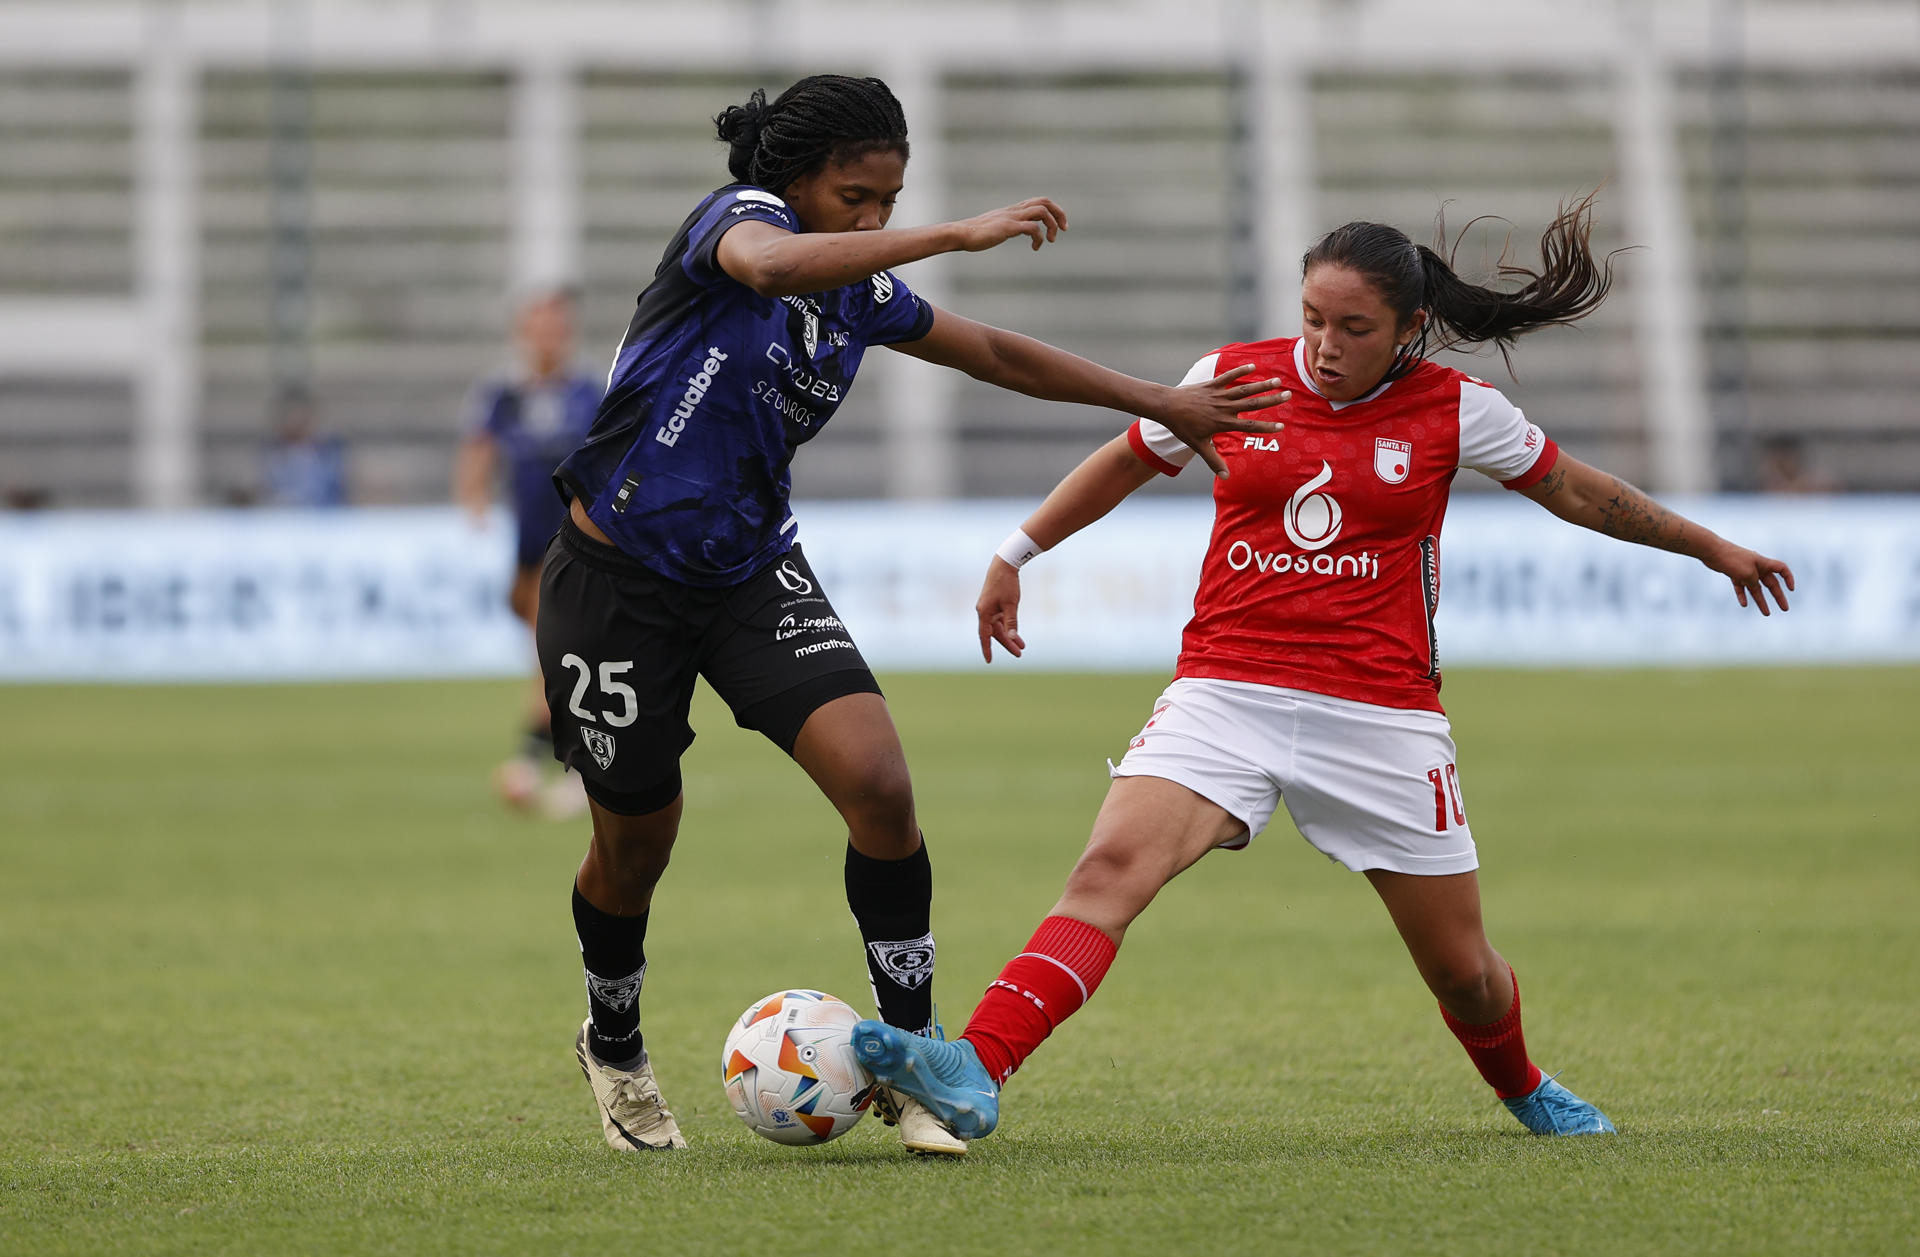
[[518, 778], [1149, 830], [617, 651]]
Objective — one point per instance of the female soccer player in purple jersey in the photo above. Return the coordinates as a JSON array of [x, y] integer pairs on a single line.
[[677, 557]]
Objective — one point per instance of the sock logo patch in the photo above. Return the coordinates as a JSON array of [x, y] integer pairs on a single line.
[[908, 963], [618, 994], [599, 744]]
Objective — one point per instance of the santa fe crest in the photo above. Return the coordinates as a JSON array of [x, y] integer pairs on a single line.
[[600, 744], [1392, 460]]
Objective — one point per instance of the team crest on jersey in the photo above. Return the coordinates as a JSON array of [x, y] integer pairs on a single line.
[[809, 322], [882, 288], [1392, 460], [599, 745]]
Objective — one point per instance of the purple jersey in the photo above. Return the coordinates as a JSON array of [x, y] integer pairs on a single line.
[[534, 425], [714, 388]]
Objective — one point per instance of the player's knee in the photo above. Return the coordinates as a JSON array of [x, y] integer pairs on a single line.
[[878, 801], [1108, 867], [1464, 981]]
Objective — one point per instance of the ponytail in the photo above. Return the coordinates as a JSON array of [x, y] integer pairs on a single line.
[[1569, 285], [826, 117]]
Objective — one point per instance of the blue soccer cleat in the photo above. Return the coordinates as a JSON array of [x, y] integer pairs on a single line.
[[947, 1078], [1550, 1109]]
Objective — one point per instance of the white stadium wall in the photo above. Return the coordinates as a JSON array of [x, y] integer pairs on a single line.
[[419, 592]]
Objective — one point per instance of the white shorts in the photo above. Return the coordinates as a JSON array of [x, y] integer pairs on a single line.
[[1371, 787]]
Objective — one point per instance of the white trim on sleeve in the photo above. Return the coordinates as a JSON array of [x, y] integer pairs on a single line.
[[1495, 437], [1157, 438]]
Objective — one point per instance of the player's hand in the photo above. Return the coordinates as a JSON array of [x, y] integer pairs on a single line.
[[999, 609], [1753, 573], [1196, 413], [1037, 218]]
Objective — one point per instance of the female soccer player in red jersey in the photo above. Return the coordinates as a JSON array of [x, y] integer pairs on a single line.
[[677, 558], [1309, 673]]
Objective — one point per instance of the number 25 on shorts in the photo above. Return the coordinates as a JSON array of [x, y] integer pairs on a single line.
[[1446, 795], [609, 685]]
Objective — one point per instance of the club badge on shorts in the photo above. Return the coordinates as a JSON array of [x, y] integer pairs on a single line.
[[599, 745], [1392, 459]]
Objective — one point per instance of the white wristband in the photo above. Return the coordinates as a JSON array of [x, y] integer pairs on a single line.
[[1018, 549]]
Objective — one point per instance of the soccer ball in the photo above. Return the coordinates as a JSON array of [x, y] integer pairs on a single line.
[[790, 1071]]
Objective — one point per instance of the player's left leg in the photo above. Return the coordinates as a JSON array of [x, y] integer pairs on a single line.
[[789, 670], [518, 778], [1439, 920], [850, 749]]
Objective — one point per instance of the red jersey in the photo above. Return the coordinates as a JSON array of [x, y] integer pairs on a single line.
[[1323, 572]]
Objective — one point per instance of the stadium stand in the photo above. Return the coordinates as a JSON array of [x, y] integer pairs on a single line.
[[1801, 185]]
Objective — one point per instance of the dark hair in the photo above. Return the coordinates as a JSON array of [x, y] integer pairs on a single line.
[[1570, 283], [826, 117]]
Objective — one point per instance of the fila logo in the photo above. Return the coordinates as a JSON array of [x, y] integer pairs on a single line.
[[1261, 443]]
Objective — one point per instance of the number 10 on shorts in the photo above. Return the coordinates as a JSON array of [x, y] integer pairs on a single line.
[[1446, 795]]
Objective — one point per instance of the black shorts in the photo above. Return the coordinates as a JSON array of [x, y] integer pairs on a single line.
[[620, 648]]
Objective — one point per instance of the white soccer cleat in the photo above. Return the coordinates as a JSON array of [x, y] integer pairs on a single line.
[[564, 798], [517, 782], [922, 1135], [633, 1117]]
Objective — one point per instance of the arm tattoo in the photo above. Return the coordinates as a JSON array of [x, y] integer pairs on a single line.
[[1552, 483], [1631, 515]]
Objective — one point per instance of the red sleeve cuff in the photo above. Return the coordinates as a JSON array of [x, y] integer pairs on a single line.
[[1549, 455], [1140, 449]]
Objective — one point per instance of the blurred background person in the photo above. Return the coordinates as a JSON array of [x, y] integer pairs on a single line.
[[518, 428], [303, 466], [1785, 466]]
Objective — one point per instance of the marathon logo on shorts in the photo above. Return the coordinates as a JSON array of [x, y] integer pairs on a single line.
[[908, 963], [599, 745], [697, 385]]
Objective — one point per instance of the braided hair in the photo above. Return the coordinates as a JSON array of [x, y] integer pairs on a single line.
[[1571, 282], [822, 118]]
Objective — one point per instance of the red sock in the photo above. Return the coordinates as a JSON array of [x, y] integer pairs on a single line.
[[1040, 988], [1499, 1049]]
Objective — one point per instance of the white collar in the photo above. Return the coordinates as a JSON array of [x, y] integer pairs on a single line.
[[1306, 378]]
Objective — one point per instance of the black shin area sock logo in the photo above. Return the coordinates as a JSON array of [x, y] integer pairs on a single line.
[[907, 964]]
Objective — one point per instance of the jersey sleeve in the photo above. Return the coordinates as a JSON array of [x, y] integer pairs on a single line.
[[729, 206], [1154, 444], [895, 312], [1497, 441]]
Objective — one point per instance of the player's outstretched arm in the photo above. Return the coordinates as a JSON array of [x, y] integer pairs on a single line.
[[1196, 413], [473, 464], [775, 262], [1101, 482], [1592, 498]]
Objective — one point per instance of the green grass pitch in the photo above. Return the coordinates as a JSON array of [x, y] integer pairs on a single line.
[[279, 977]]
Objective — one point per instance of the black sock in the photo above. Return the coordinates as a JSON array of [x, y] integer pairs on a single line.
[[892, 900], [613, 952], [537, 743]]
